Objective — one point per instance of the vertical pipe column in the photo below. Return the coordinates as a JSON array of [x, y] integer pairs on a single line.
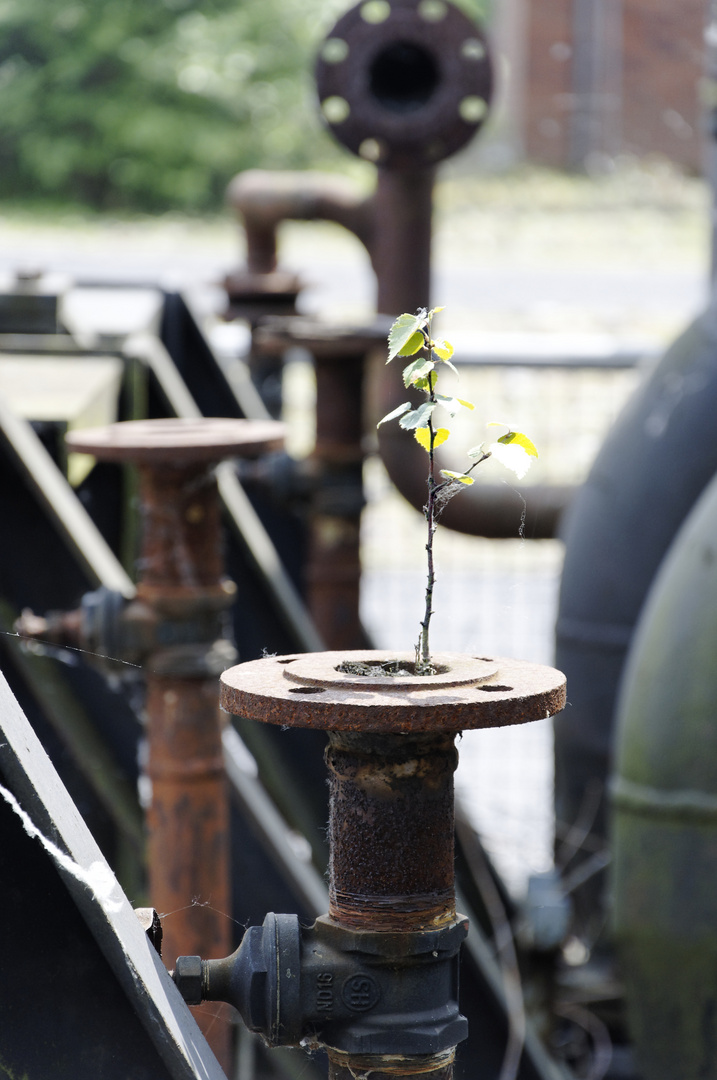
[[181, 568], [391, 830], [182, 596], [188, 834], [401, 238], [333, 570]]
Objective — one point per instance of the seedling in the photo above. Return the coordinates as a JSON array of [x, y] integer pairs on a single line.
[[411, 335]]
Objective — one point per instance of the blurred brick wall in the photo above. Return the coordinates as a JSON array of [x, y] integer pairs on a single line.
[[548, 81], [653, 87], [662, 64]]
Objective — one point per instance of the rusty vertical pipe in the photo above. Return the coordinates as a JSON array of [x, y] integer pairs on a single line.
[[391, 830], [400, 245], [391, 827], [181, 569], [185, 594], [333, 569]]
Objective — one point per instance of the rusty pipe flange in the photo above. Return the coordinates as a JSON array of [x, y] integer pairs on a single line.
[[404, 82], [306, 690], [178, 442]]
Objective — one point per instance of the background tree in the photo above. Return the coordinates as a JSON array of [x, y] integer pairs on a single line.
[[156, 104]]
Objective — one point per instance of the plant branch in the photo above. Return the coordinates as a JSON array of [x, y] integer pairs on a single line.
[[429, 510]]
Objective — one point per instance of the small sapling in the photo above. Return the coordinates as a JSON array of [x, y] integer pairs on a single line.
[[411, 335]]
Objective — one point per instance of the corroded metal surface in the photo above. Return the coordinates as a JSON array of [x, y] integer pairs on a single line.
[[391, 831], [182, 583], [451, 670], [333, 566], [391, 759], [517, 693], [178, 442], [188, 817]]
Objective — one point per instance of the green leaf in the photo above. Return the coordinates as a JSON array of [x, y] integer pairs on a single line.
[[418, 418], [396, 412], [519, 439], [403, 330], [443, 350], [453, 404], [414, 343], [462, 477], [422, 435], [419, 369], [478, 451]]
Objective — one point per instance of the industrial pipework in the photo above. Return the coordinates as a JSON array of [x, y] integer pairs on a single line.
[[403, 84], [374, 982], [664, 795], [177, 629]]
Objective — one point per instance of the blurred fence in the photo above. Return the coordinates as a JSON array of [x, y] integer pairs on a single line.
[[494, 597]]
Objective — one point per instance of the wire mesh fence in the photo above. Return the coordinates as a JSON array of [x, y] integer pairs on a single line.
[[493, 597]]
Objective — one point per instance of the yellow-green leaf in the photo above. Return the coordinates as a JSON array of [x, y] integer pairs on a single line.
[[403, 330], [419, 369], [422, 436], [414, 343], [399, 411], [519, 439], [418, 417], [443, 349], [452, 404], [457, 476]]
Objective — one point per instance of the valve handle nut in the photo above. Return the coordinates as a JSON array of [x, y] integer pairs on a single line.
[[188, 978]]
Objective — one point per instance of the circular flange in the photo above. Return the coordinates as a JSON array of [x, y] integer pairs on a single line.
[[516, 693], [324, 669], [404, 83], [178, 441]]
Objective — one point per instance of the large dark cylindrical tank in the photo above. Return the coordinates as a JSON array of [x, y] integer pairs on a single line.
[[655, 463], [665, 812]]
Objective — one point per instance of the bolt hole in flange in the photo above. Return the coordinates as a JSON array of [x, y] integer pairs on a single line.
[[473, 49], [473, 109], [375, 11], [495, 688], [371, 150], [306, 690], [432, 11], [403, 77], [335, 50], [336, 109]]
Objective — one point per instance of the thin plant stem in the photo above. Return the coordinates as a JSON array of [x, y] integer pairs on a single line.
[[429, 511]]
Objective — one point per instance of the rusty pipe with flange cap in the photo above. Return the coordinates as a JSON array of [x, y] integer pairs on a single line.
[[181, 582], [375, 981], [664, 817]]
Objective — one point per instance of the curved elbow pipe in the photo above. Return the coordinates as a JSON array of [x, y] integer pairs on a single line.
[[664, 793], [495, 511], [265, 199]]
